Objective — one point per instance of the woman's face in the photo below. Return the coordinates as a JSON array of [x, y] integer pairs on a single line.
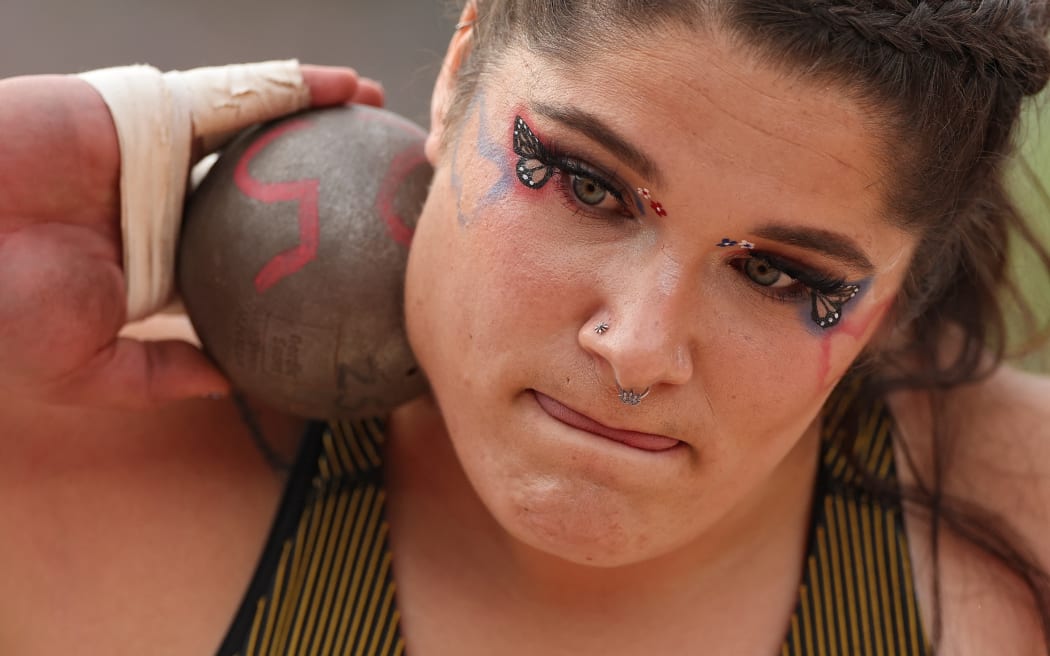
[[598, 194]]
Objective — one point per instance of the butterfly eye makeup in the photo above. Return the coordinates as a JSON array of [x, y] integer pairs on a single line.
[[787, 281], [535, 167], [585, 186]]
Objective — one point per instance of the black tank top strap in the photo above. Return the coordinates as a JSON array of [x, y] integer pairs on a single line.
[[857, 594], [324, 584]]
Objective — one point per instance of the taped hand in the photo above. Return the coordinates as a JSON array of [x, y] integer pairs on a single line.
[[94, 171]]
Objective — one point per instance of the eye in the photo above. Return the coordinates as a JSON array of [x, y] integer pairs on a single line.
[[588, 190], [765, 274]]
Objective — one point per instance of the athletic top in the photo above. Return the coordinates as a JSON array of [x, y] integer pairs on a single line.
[[324, 584]]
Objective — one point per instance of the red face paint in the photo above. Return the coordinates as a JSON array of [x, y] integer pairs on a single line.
[[656, 207], [855, 327]]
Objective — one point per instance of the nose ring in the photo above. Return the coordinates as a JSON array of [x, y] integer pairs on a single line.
[[630, 397]]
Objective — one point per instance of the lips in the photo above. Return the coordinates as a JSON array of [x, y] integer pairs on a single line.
[[566, 415]]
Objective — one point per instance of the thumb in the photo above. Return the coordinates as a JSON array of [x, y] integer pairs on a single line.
[[130, 373]]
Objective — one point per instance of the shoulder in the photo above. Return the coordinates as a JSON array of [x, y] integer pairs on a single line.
[[994, 454], [996, 451], [1001, 441], [1017, 399], [994, 439]]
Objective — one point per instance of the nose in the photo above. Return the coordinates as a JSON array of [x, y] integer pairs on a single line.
[[643, 338]]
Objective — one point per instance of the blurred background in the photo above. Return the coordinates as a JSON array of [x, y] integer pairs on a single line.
[[1029, 177], [397, 41]]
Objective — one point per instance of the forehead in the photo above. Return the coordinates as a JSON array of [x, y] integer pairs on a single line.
[[704, 107]]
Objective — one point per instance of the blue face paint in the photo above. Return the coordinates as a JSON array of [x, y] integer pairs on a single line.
[[496, 152], [639, 203]]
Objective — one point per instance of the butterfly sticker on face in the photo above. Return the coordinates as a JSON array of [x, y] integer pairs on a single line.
[[534, 168], [732, 243], [827, 306]]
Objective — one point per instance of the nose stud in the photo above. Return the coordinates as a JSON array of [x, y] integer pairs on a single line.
[[601, 328]]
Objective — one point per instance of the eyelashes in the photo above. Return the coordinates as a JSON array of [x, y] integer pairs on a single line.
[[586, 187], [828, 295]]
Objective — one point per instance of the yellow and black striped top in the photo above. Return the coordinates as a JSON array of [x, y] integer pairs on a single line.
[[325, 586], [857, 595]]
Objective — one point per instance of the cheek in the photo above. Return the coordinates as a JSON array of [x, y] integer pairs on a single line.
[[840, 347], [522, 288], [763, 385], [483, 288]]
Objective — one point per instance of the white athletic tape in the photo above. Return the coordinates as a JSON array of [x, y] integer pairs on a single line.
[[157, 117]]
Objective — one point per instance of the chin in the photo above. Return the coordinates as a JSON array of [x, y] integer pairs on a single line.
[[578, 522]]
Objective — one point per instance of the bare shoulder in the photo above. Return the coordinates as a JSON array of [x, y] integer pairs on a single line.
[[995, 460], [995, 444], [1002, 428], [999, 452], [1017, 399]]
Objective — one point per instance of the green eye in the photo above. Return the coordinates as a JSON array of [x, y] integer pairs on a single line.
[[588, 191], [765, 274]]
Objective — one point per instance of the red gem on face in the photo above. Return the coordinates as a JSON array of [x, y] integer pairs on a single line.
[[659, 209]]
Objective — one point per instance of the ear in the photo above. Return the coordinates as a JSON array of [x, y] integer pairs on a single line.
[[445, 88]]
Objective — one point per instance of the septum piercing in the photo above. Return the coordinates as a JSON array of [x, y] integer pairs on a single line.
[[601, 328], [630, 397]]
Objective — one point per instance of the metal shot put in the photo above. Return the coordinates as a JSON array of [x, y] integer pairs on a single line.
[[292, 257]]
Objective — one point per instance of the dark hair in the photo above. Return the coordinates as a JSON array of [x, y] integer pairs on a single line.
[[946, 81]]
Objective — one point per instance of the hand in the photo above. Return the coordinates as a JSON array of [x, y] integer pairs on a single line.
[[62, 287]]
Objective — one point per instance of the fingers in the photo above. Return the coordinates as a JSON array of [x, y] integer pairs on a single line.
[[329, 85], [130, 373], [334, 85], [225, 99], [369, 92]]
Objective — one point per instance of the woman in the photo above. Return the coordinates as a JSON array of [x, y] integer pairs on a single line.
[[690, 247]]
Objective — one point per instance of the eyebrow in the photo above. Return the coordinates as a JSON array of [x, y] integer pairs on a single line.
[[832, 244], [600, 132]]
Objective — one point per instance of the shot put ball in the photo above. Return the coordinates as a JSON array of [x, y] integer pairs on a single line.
[[292, 261]]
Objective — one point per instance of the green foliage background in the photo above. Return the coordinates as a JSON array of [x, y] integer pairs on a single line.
[[1029, 180]]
